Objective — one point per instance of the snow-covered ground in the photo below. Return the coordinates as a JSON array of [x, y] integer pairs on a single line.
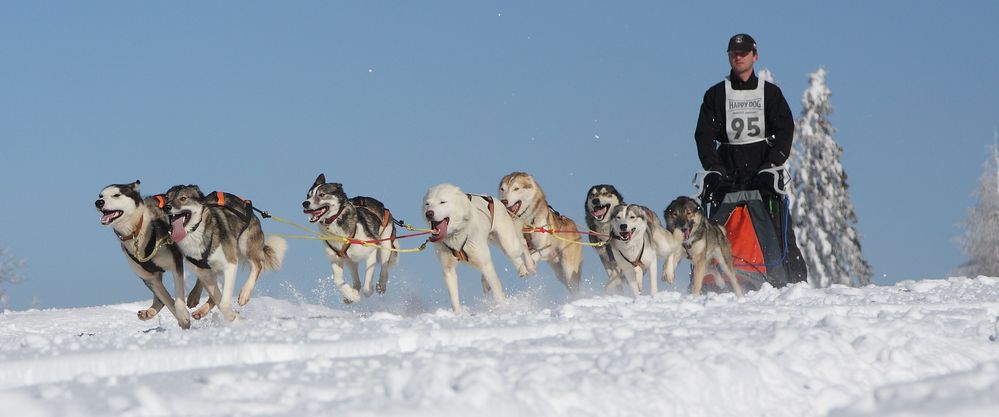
[[918, 348]]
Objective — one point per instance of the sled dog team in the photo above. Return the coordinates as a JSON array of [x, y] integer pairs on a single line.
[[215, 232]]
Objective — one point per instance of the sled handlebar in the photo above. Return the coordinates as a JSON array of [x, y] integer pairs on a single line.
[[698, 182], [782, 177]]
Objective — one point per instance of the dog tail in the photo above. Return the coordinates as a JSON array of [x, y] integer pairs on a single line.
[[274, 249]]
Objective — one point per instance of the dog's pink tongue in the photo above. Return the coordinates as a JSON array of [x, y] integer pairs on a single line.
[[177, 231], [441, 231], [106, 218]]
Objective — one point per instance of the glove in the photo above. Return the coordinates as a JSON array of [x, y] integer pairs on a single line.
[[764, 181], [716, 185]]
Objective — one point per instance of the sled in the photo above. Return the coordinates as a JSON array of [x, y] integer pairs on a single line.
[[757, 230]]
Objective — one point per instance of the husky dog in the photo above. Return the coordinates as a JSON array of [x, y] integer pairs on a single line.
[[704, 241], [358, 218], [526, 202], [600, 201], [142, 229], [462, 226], [215, 238], [638, 239]]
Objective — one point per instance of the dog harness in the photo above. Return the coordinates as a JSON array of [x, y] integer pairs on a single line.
[[203, 262], [460, 253], [527, 234], [148, 265], [241, 207], [744, 114], [342, 252], [637, 263]]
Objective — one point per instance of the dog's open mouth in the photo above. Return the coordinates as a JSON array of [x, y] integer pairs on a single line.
[[625, 235], [177, 223], [439, 230], [514, 208], [108, 216], [316, 214], [601, 211]]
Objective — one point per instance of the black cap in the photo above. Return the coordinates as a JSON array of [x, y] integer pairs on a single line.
[[742, 42]]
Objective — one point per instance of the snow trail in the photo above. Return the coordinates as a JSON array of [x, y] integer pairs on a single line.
[[915, 347]]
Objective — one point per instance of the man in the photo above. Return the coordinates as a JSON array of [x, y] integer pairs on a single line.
[[753, 127]]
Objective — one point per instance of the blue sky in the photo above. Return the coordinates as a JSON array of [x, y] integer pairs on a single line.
[[390, 98]]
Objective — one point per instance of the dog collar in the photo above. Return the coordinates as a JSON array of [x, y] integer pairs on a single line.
[[332, 219], [134, 234]]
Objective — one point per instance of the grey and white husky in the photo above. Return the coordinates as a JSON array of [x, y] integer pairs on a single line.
[[142, 229], [600, 201], [638, 240], [348, 222], [215, 237], [705, 242]]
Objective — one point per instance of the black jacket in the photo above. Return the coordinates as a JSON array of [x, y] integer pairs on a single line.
[[742, 162]]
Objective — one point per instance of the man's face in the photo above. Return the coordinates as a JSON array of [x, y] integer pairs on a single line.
[[742, 61]]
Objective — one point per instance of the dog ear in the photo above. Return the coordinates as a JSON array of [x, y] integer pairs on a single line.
[[320, 180], [616, 209], [197, 191], [620, 198], [135, 185]]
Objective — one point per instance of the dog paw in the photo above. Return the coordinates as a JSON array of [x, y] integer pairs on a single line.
[[146, 314], [243, 299], [380, 288], [350, 295], [201, 312], [368, 291], [193, 299], [184, 319], [525, 272]]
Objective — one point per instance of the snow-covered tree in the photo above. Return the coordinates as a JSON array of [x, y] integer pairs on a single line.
[[980, 241], [766, 75], [824, 218], [8, 274]]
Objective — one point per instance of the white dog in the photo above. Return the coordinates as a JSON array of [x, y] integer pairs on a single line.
[[462, 225], [638, 239], [143, 231]]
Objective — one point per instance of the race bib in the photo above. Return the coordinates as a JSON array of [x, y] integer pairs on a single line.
[[744, 114]]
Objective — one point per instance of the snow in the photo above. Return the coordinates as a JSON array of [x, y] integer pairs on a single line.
[[918, 348]]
